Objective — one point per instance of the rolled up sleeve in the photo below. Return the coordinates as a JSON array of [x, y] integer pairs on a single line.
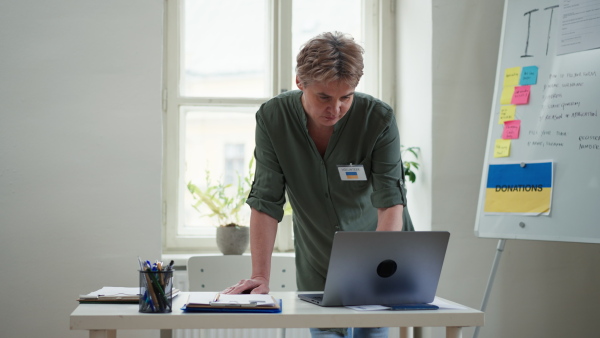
[[387, 170], [267, 194]]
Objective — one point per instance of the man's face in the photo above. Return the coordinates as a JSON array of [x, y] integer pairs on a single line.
[[326, 103]]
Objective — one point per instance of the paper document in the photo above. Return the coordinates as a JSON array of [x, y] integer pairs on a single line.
[[219, 299], [113, 292]]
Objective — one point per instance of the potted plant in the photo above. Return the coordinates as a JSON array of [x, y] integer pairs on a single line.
[[226, 202], [410, 166]]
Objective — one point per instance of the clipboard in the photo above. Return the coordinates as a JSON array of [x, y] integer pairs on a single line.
[[235, 309], [216, 302]]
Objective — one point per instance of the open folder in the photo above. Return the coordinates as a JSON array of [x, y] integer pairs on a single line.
[[115, 295], [218, 302]]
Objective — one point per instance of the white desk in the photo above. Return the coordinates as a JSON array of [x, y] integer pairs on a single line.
[[103, 320]]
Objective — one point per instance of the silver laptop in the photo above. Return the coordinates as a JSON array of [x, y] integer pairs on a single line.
[[383, 268]]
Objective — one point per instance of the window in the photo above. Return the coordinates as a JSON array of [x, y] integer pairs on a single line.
[[223, 59]]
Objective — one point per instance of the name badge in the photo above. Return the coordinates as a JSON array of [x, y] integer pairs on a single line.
[[352, 172]]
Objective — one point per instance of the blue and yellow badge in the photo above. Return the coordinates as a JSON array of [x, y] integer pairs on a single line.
[[352, 175], [520, 188], [352, 172]]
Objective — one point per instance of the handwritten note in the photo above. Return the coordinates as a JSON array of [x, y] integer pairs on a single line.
[[502, 148], [512, 76], [507, 113], [521, 95], [529, 75], [507, 94], [511, 129]]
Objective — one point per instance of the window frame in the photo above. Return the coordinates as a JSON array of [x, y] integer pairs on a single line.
[[379, 37]]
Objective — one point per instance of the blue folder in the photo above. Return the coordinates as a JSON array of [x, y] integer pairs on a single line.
[[233, 309]]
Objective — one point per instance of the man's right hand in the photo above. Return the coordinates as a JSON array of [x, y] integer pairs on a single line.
[[257, 285]]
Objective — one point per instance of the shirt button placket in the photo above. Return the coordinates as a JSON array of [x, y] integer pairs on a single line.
[[330, 207]]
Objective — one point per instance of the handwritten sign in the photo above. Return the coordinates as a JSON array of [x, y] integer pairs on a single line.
[[529, 75], [511, 129], [521, 95], [507, 113], [502, 148], [512, 77]]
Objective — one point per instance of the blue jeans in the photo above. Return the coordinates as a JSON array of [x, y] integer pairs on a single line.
[[357, 332]]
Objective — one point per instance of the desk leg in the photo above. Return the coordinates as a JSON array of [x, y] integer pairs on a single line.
[[103, 333], [405, 332], [453, 332], [166, 333]]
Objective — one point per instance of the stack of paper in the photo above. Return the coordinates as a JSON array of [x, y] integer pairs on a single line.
[[218, 302], [111, 294]]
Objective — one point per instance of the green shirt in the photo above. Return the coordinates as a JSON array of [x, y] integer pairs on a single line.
[[288, 160]]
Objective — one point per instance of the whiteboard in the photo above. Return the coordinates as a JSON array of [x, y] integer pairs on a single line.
[[560, 123]]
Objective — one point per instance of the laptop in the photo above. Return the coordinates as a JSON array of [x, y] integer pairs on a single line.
[[393, 268]]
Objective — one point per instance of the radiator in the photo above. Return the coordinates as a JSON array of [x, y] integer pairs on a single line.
[[242, 333], [254, 333]]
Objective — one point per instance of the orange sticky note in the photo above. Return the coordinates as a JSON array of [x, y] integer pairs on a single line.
[[511, 129], [521, 95], [507, 113], [502, 148]]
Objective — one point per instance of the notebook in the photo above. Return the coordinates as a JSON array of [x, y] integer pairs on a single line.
[[383, 268]]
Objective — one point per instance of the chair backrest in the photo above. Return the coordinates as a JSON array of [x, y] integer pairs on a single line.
[[217, 272]]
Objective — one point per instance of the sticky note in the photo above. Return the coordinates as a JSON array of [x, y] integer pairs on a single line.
[[512, 77], [507, 94], [529, 75], [502, 148], [521, 95], [507, 113], [513, 188], [511, 129]]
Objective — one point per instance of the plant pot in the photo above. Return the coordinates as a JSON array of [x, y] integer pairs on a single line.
[[233, 240]]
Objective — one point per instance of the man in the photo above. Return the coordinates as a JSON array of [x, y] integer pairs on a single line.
[[337, 155]]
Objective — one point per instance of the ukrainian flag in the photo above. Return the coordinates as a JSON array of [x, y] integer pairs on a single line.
[[352, 175], [513, 188]]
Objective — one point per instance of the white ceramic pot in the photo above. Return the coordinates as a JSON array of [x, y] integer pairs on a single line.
[[233, 240]]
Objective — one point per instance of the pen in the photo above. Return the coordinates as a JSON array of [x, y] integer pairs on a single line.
[[160, 275]]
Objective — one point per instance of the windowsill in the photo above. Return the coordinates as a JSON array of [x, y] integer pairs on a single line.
[[182, 259]]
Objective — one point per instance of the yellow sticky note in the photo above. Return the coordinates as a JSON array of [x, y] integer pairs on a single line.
[[507, 94], [512, 76], [507, 113], [502, 148]]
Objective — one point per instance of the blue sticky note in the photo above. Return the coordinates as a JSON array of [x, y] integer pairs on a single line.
[[529, 75]]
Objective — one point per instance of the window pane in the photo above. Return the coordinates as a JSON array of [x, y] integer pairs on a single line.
[[313, 17], [225, 49], [218, 141]]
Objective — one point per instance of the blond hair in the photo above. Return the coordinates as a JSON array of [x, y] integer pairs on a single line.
[[330, 56]]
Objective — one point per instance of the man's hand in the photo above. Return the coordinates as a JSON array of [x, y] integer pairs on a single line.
[[255, 285]]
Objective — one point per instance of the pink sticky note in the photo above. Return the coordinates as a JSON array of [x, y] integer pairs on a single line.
[[511, 129], [521, 95]]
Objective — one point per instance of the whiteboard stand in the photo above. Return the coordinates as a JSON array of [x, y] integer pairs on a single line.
[[486, 295]]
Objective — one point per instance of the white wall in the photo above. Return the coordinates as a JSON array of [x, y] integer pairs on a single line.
[[80, 154], [542, 289], [414, 103]]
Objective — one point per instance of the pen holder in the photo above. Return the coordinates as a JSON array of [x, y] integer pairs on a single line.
[[156, 291]]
